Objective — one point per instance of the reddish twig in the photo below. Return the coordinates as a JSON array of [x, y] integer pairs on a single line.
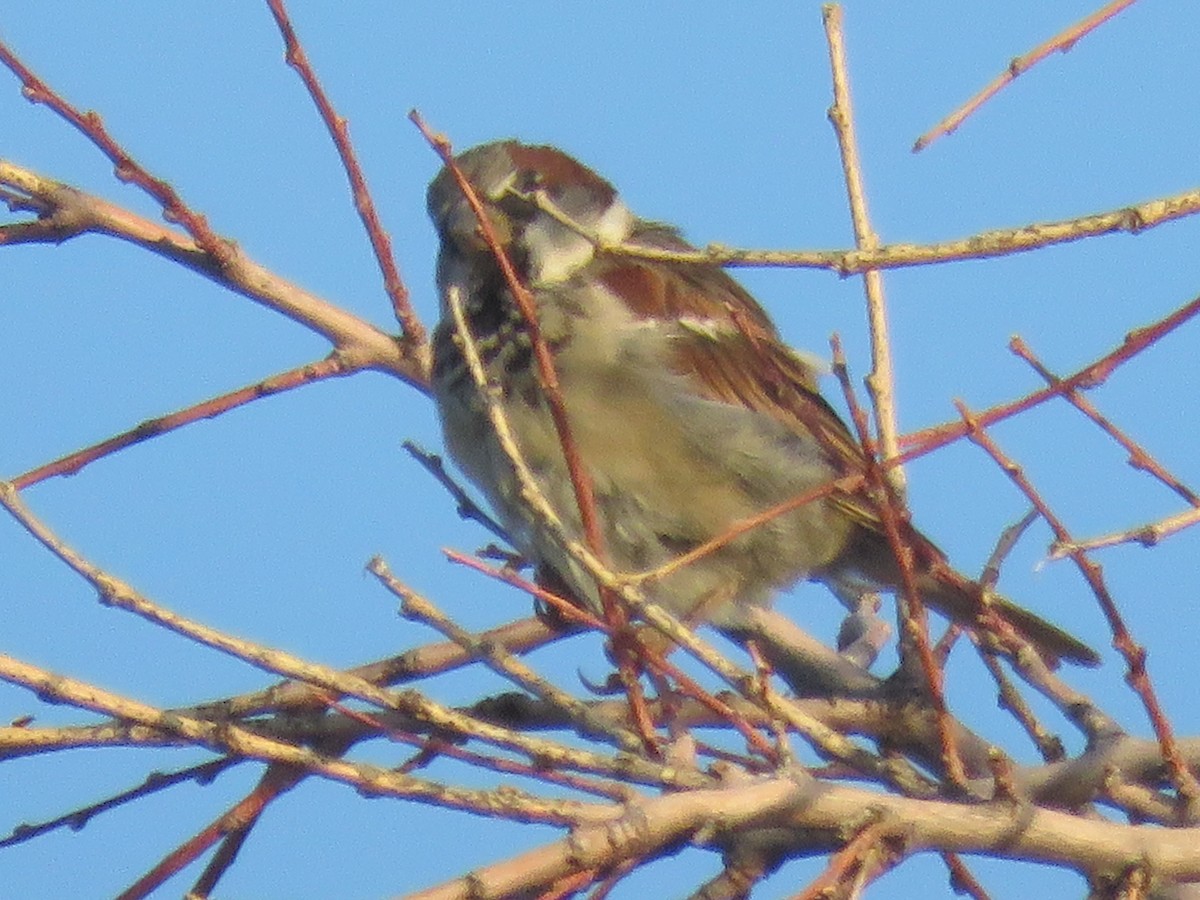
[[209, 409], [691, 688], [1062, 42], [653, 660], [850, 862], [125, 167], [1090, 376], [573, 613], [844, 484], [573, 885], [1139, 457], [961, 879], [763, 672], [619, 871], [520, 636], [412, 331], [239, 818], [910, 606], [1135, 655], [581, 482], [416, 607], [931, 439], [1004, 787], [222, 860], [570, 886]]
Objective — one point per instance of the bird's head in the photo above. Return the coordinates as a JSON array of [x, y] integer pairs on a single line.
[[548, 211]]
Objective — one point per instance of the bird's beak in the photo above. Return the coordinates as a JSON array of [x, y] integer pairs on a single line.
[[462, 227]]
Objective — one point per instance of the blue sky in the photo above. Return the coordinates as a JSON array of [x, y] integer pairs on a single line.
[[710, 117]]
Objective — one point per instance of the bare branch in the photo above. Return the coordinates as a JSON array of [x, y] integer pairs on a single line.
[[880, 381], [412, 331], [1135, 655], [209, 409], [71, 212], [985, 245], [1061, 42]]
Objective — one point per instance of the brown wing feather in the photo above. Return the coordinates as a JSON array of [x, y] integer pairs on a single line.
[[733, 354]]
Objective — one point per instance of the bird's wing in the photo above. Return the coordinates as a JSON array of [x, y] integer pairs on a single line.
[[728, 348]]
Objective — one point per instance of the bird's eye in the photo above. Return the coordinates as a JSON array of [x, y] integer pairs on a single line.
[[528, 181]]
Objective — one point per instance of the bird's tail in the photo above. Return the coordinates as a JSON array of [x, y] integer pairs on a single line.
[[962, 600], [957, 596]]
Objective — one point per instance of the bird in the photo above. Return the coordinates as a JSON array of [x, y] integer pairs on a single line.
[[689, 413]]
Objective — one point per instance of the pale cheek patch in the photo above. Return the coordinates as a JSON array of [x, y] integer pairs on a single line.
[[615, 225], [556, 252]]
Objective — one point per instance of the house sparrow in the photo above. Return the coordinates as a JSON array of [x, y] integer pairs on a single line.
[[689, 413]]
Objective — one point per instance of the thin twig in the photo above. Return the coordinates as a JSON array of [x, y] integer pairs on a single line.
[[826, 740], [961, 879], [432, 746], [881, 380], [654, 661], [117, 593], [1062, 42], [1135, 655], [154, 782], [845, 484], [548, 377], [1147, 535], [581, 481], [358, 343], [72, 463], [125, 167], [1049, 745], [914, 624], [1089, 376], [501, 661], [519, 636], [411, 329], [237, 740], [1139, 457], [848, 860], [1001, 242], [230, 828], [466, 507], [1004, 546]]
